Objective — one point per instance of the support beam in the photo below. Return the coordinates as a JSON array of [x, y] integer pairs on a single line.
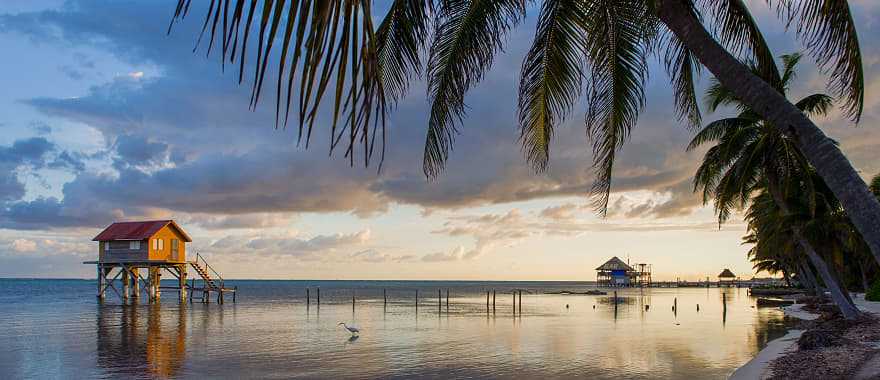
[[101, 280]]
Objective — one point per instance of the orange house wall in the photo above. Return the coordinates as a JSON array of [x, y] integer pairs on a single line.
[[166, 234]]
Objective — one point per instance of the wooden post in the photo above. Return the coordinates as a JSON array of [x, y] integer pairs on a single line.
[[439, 301], [487, 302], [384, 298], [514, 301], [182, 279], [447, 300], [724, 302], [352, 300], [126, 279], [307, 298], [493, 301], [101, 281], [520, 302], [318, 290], [135, 276], [675, 304], [417, 300], [698, 307]]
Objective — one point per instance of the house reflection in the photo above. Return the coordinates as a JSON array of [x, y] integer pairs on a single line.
[[135, 341]]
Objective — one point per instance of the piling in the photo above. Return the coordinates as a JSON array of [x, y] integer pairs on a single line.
[[514, 302], [493, 301], [520, 302], [447, 300], [698, 307], [125, 283], [318, 290], [352, 300], [439, 301], [307, 297], [675, 304], [384, 298], [417, 299], [487, 302], [136, 282], [101, 285], [724, 302]]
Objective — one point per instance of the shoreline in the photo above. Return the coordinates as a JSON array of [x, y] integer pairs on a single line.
[[759, 367]]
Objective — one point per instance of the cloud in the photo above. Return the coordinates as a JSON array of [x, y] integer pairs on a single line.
[[186, 142], [455, 255], [23, 245]]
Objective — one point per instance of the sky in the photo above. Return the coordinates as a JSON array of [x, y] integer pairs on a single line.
[[106, 118]]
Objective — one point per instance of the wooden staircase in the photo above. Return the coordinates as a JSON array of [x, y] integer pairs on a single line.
[[209, 283]]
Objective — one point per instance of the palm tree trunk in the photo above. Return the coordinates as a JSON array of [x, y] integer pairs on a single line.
[[806, 275], [838, 293], [860, 204], [864, 272]]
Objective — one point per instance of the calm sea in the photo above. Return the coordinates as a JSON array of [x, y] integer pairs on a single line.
[[57, 329]]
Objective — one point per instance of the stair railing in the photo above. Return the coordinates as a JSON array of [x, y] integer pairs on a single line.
[[208, 267]]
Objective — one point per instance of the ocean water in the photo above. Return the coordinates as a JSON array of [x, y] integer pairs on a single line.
[[58, 329]]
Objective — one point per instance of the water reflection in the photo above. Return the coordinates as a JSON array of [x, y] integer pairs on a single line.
[[127, 345], [272, 335]]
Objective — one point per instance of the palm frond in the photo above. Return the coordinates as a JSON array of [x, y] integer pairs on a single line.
[[829, 33], [789, 64], [321, 42], [737, 29], [552, 76], [718, 95], [682, 66], [467, 36], [618, 37], [816, 104], [875, 185], [401, 38], [716, 129]]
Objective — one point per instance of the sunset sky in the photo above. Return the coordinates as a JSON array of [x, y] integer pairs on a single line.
[[104, 117]]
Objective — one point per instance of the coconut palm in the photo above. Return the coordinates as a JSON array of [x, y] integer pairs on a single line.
[[750, 155], [598, 47], [875, 186]]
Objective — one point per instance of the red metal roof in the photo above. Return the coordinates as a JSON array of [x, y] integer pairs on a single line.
[[136, 230]]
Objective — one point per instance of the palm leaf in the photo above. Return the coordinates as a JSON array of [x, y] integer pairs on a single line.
[[737, 29], [716, 129], [816, 104], [682, 66], [322, 42], [829, 32], [467, 35], [552, 76], [618, 35]]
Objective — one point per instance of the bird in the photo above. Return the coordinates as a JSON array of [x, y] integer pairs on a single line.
[[353, 330]]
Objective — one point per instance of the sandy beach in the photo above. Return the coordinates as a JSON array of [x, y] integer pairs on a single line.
[[761, 366]]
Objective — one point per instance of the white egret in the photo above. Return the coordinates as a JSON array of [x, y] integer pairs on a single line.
[[353, 330]]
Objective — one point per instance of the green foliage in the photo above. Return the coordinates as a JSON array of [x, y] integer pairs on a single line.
[[333, 48], [873, 294]]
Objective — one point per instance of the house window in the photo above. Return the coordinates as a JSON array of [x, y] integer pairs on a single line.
[[155, 244], [134, 245], [106, 245], [161, 244], [119, 244], [175, 245]]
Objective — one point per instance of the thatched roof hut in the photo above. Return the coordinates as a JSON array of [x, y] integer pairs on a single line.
[[726, 274], [615, 264]]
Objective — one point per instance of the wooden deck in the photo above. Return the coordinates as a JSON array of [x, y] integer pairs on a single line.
[[128, 274]]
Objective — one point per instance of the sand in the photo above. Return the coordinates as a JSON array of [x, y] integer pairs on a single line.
[[785, 349]]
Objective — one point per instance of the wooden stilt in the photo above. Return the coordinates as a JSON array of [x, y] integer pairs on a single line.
[[181, 270], [439, 301], [493, 301], [487, 302], [126, 280], [318, 290], [137, 283], [384, 299], [101, 282], [307, 297]]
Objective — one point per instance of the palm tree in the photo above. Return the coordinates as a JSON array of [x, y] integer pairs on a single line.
[[750, 155], [875, 186], [601, 46]]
